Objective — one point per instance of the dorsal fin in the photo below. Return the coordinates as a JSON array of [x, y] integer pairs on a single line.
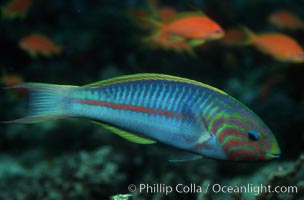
[[186, 14], [249, 35], [124, 134], [149, 76]]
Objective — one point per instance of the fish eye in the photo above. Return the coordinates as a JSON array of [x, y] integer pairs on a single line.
[[253, 135], [218, 31]]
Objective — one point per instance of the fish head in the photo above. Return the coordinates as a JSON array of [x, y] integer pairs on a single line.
[[216, 32], [236, 133], [242, 135], [202, 28], [298, 58]]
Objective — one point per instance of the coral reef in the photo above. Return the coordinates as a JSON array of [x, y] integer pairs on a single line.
[[86, 175]]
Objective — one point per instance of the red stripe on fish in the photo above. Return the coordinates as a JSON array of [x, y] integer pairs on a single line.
[[130, 108]]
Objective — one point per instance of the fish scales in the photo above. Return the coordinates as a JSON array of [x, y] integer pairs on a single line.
[[167, 105], [159, 94]]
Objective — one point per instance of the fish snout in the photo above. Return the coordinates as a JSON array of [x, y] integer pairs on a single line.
[[299, 58], [218, 33], [274, 151]]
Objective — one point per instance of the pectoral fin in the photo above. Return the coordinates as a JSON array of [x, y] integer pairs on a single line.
[[175, 38], [124, 134], [196, 42]]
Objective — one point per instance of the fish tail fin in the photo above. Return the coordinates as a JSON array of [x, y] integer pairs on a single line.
[[152, 39], [153, 22], [249, 36], [46, 102]]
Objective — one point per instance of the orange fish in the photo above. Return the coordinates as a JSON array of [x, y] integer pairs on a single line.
[[36, 44], [184, 31], [192, 25], [11, 79], [286, 20], [16, 8], [281, 47], [233, 36]]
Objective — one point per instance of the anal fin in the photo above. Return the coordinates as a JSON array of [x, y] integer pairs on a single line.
[[124, 134]]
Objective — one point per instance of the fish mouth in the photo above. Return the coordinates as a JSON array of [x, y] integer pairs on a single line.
[[270, 156], [215, 35], [274, 152]]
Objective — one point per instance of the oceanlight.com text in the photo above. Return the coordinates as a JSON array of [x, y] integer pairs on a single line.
[[214, 188], [253, 189]]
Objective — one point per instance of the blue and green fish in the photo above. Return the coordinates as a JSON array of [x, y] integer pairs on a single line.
[[194, 118]]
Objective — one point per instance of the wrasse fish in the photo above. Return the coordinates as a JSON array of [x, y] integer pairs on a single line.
[[281, 47], [16, 8], [286, 20], [36, 44], [154, 108]]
